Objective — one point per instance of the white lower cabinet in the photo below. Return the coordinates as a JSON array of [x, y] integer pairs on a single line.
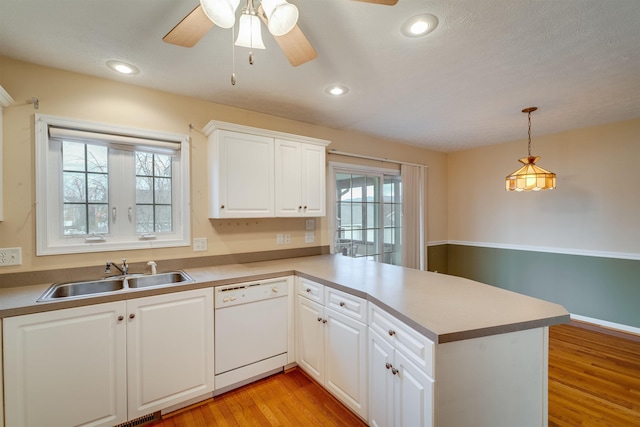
[[103, 364], [400, 393], [332, 349]]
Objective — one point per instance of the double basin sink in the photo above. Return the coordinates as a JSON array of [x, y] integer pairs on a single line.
[[110, 285]]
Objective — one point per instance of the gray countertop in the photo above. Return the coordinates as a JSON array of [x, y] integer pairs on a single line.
[[443, 308]]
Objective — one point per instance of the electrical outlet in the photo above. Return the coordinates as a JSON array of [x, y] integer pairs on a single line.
[[310, 224], [287, 239], [200, 244], [279, 239], [10, 256], [309, 237]]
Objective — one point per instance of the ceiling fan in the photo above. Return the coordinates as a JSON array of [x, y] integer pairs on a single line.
[[279, 16]]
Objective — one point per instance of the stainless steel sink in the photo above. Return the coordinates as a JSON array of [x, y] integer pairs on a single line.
[[158, 279], [109, 285], [80, 289]]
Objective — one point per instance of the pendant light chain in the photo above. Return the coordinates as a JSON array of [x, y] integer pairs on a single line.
[[529, 133]]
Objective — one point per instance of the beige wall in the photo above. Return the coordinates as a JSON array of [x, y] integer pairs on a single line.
[[66, 94], [595, 207]]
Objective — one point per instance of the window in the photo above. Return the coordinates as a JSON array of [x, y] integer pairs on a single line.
[[367, 212], [101, 187]]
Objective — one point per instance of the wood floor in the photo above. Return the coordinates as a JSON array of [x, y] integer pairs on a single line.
[[594, 380]]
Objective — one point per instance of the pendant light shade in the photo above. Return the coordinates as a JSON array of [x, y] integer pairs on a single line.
[[530, 177], [249, 34]]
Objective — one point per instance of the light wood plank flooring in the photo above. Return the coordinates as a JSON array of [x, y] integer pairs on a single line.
[[594, 380]]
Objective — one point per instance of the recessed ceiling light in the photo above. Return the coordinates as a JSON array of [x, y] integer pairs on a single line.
[[419, 25], [122, 67], [336, 90]]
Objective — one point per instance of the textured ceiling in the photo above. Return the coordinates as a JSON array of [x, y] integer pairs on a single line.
[[461, 86]]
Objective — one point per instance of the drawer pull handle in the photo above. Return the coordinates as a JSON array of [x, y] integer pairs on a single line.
[[388, 365], [342, 304], [391, 332], [120, 318], [394, 371], [131, 316]]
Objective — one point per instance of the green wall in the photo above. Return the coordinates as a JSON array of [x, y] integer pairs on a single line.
[[601, 288]]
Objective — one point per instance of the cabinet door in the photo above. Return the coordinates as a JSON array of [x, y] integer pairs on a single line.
[[310, 335], [288, 183], [242, 179], [313, 180], [380, 381], [345, 350], [413, 392], [169, 349], [66, 367]]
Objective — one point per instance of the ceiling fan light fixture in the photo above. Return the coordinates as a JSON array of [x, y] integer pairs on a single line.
[[249, 33], [221, 12], [419, 25], [281, 15]]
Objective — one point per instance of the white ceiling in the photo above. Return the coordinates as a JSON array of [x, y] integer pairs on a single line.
[[462, 86]]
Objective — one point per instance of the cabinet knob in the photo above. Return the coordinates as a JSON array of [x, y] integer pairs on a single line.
[[274, 290], [131, 316], [300, 207], [391, 332], [319, 319], [221, 206], [120, 318], [342, 304], [305, 208], [308, 290], [388, 365], [394, 371], [324, 320]]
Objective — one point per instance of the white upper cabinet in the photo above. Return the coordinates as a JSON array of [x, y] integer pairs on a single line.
[[257, 173], [300, 179]]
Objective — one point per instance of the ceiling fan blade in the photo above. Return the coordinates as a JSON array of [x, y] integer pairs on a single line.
[[296, 47], [386, 2], [294, 44], [190, 30]]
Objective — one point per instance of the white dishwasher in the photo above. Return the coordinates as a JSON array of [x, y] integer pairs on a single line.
[[251, 331]]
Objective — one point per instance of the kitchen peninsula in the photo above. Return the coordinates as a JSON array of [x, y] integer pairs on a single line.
[[485, 348]]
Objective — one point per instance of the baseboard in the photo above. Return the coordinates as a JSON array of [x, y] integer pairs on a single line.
[[607, 325]]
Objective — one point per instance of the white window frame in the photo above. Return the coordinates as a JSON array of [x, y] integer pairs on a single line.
[[49, 233], [353, 168]]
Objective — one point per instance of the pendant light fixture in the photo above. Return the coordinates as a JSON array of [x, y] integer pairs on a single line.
[[530, 177]]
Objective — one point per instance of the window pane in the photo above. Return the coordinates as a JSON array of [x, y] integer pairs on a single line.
[[73, 156], [144, 219], [144, 164], [97, 158], [163, 218], [144, 193], [74, 219], [163, 190], [162, 165], [343, 187], [98, 218], [74, 187], [97, 188]]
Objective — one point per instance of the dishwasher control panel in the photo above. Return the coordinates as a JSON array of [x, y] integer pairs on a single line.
[[243, 293]]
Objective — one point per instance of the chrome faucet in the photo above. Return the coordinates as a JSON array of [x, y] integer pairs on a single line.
[[124, 269]]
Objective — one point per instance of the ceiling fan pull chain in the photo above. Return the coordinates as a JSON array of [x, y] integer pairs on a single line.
[[233, 57]]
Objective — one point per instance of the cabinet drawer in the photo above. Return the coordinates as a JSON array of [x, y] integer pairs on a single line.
[[347, 304], [415, 346], [310, 289]]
